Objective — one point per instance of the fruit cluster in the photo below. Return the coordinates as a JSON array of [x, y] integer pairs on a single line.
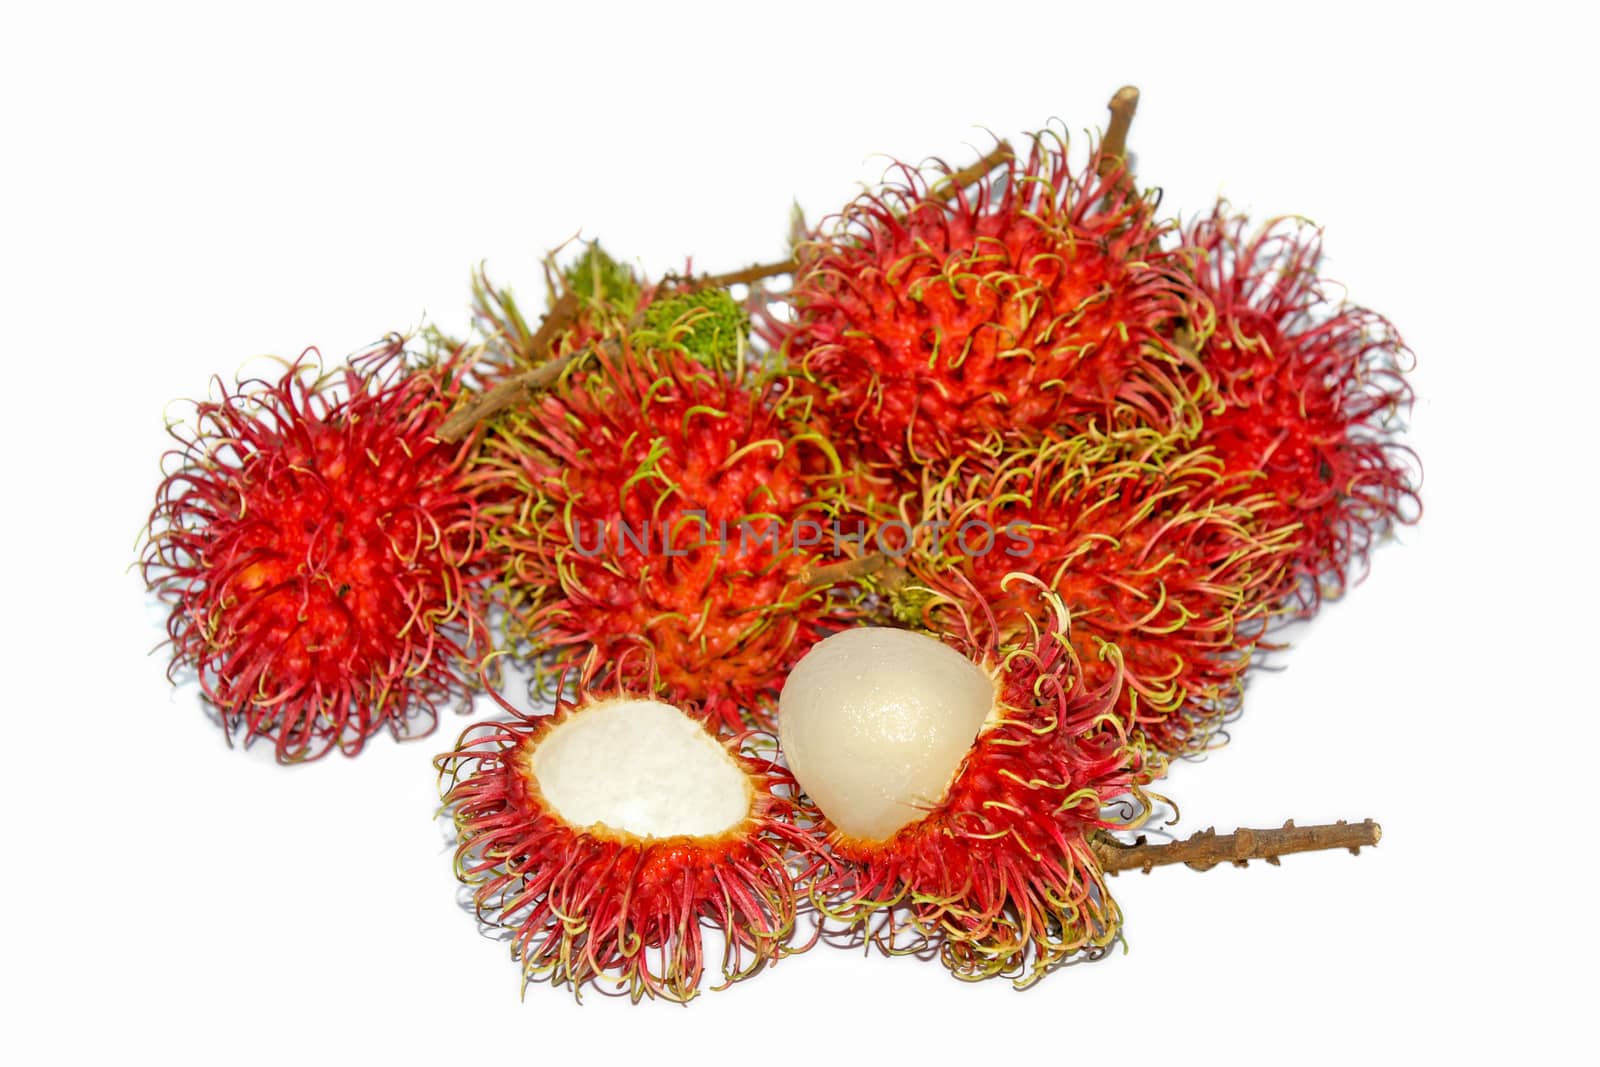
[[983, 515]]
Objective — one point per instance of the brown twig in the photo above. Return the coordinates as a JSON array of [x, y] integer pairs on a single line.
[[563, 314], [1207, 848], [506, 394], [846, 570], [947, 189], [556, 320], [1114, 148], [951, 185], [739, 277]]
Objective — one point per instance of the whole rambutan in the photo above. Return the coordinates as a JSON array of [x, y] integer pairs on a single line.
[[707, 324], [320, 554], [1151, 548], [929, 318], [1309, 399], [962, 780], [606, 837], [649, 501]]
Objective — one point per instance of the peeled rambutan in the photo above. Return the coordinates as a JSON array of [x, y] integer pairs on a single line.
[[1033, 298], [607, 837], [649, 501], [962, 780], [322, 559], [1310, 396], [1151, 548]]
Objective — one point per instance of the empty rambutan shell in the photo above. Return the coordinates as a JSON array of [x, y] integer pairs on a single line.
[[1033, 298], [1309, 399], [610, 837], [321, 558], [648, 501], [961, 781]]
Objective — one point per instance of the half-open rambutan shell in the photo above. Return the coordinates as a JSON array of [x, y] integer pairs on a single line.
[[1034, 298], [997, 876], [1310, 398], [611, 837], [321, 558], [649, 501]]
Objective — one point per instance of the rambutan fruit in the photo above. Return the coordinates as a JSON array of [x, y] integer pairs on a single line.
[[649, 501], [609, 836], [601, 280], [707, 324], [1151, 548], [962, 781], [1309, 399], [1033, 297], [322, 560]]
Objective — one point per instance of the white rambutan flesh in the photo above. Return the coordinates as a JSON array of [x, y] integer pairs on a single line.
[[875, 722], [641, 768]]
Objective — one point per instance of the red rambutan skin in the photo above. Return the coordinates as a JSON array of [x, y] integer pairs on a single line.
[[1000, 876], [320, 555], [1032, 300], [1151, 549], [1310, 399], [588, 905], [652, 442]]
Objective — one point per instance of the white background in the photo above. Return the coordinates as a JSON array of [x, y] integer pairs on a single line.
[[184, 189]]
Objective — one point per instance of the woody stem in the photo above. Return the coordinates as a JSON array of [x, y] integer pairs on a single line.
[[740, 277], [947, 189], [1206, 849], [1114, 149], [505, 395], [846, 570], [951, 186]]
